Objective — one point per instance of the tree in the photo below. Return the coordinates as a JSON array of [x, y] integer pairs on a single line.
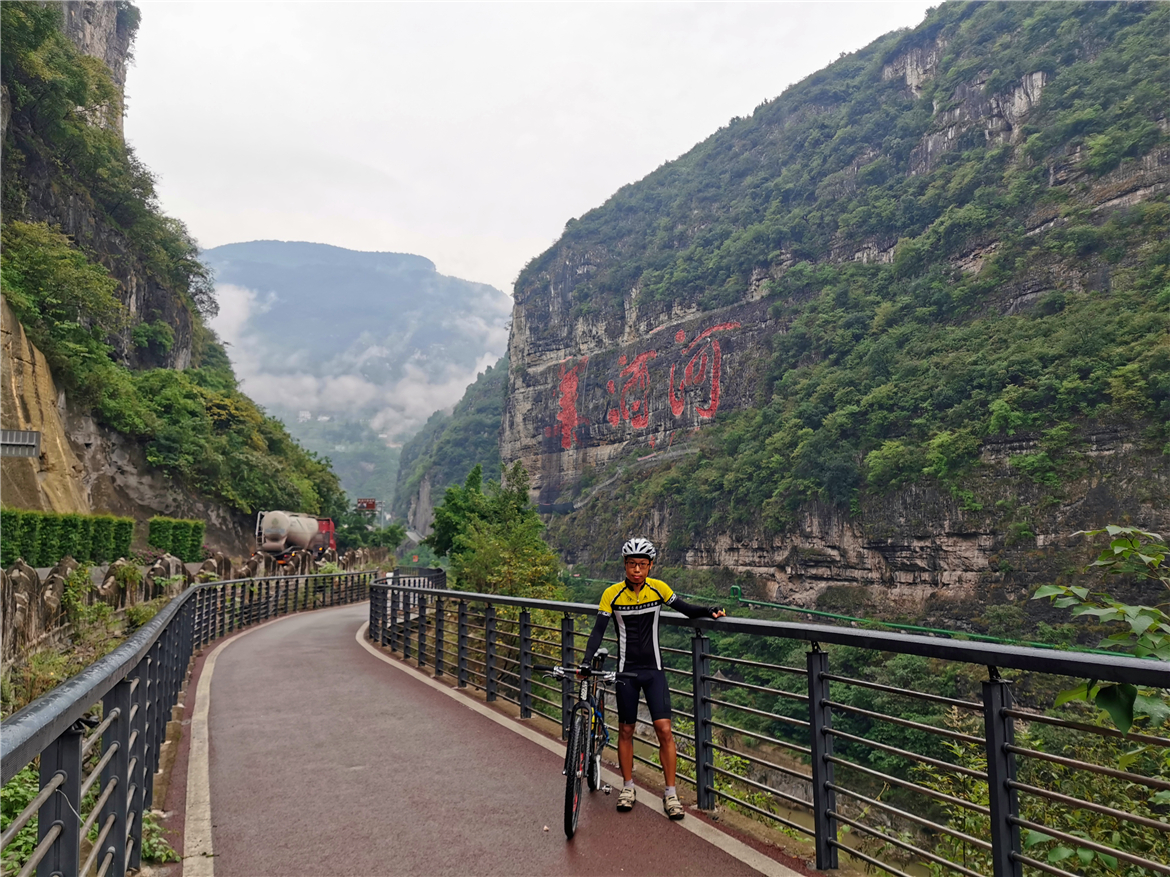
[[493, 537]]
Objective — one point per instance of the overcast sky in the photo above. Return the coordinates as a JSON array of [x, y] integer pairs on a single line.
[[468, 133]]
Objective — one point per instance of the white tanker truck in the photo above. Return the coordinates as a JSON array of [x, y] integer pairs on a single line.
[[279, 534]]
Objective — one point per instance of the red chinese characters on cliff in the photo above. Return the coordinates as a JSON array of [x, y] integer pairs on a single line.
[[694, 378], [634, 400], [704, 368], [568, 418]]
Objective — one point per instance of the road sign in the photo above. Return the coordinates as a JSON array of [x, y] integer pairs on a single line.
[[367, 505]]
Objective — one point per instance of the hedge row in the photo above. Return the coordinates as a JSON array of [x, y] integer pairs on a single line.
[[43, 538], [182, 538]]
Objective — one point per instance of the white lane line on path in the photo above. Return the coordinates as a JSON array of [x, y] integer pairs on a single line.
[[198, 854], [197, 849], [730, 845]]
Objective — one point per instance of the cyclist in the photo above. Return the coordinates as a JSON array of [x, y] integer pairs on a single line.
[[635, 604]]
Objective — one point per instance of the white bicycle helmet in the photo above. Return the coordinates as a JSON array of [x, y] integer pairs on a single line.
[[639, 547]]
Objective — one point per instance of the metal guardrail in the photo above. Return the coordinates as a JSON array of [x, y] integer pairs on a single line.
[[98, 735], [925, 797]]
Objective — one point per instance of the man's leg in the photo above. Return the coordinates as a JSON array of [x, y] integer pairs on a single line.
[[626, 751], [667, 753]]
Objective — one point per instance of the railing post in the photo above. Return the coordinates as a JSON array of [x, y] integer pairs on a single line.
[[407, 599], [136, 751], [146, 711], [198, 627], [118, 770], [820, 720], [63, 807], [461, 646], [525, 664], [422, 631], [701, 699], [489, 626], [439, 644], [393, 619], [567, 693], [157, 724], [1001, 772]]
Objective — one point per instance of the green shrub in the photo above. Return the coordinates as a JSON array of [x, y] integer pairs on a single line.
[[48, 540], [16, 796], [11, 525], [161, 533], [29, 537], [180, 538], [123, 537], [195, 545], [69, 542], [43, 538], [103, 539], [84, 538]]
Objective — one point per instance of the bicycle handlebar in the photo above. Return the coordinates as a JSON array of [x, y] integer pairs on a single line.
[[561, 672]]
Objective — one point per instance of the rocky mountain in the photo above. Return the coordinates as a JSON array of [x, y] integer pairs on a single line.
[[353, 350], [886, 343]]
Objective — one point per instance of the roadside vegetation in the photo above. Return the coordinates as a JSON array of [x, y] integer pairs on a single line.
[[491, 537]]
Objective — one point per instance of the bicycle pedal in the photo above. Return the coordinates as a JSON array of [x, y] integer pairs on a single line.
[[607, 788]]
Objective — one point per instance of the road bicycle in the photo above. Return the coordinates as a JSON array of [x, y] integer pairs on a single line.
[[588, 734]]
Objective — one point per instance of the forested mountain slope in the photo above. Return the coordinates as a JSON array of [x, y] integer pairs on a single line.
[[888, 341], [111, 291]]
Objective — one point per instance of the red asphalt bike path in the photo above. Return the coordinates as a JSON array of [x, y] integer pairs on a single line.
[[326, 760]]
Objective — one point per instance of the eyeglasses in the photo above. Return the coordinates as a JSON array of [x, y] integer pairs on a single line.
[[638, 564]]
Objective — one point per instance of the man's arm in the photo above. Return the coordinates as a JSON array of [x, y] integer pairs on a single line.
[[690, 610], [594, 643]]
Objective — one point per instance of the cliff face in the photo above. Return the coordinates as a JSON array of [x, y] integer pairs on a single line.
[[29, 401], [103, 30], [580, 371], [623, 355], [639, 383], [84, 467]]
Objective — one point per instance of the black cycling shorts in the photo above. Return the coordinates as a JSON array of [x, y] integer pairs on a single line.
[[649, 680]]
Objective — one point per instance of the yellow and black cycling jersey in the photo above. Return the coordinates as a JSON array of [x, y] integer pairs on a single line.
[[635, 613]]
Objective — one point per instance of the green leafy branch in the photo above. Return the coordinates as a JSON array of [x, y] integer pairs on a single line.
[[1146, 631]]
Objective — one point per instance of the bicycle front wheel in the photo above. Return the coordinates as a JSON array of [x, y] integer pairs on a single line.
[[596, 744], [578, 751]]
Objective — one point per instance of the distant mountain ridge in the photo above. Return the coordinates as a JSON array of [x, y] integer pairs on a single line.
[[375, 341]]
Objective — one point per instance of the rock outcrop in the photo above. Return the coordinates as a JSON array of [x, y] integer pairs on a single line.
[[29, 400]]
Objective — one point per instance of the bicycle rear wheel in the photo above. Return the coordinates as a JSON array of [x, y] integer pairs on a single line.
[[578, 751]]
